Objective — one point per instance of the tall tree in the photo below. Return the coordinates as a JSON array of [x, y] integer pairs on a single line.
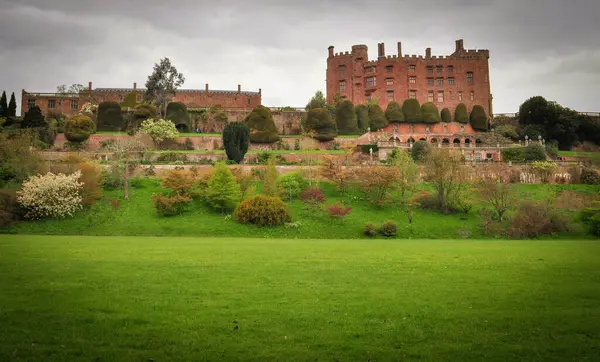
[[12, 107], [377, 117], [236, 137], [162, 84], [317, 101], [3, 105], [345, 117]]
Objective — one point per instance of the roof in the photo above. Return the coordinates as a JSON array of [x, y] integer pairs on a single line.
[[178, 90]]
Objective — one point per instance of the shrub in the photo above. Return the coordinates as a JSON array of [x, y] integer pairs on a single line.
[[508, 131], [338, 210], [513, 155], [171, 157], [446, 115], [419, 150], [262, 211], [109, 117], [589, 177], [378, 183], [236, 137], [443, 169], [159, 129], [9, 208], [333, 170], [461, 114], [591, 217], [50, 195], [362, 117], [34, 118], [222, 192], [411, 109], [178, 114], [429, 113], [544, 170], [170, 205], [244, 179], [179, 182], [312, 197], [270, 179], [534, 219], [92, 179], [377, 118], [290, 185], [345, 118], [394, 113], [262, 127], [478, 118], [534, 152], [141, 113], [388, 229], [319, 122], [17, 159], [78, 128], [370, 229], [130, 100]]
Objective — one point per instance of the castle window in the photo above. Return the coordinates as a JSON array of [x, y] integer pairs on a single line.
[[412, 94], [450, 80], [389, 81], [469, 77], [74, 104], [121, 97], [138, 98], [430, 96], [472, 95], [30, 103], [368, 98], [440, 81], [429, 81], [51, 103], [440, 97], [370, 69], [389, 68], [411, 68], [371, 82], [460, 95], [412, 80], [248, 100], [429, 70], [390, 96], [342, 70], [450, 69], [342, 86], [440, 69]]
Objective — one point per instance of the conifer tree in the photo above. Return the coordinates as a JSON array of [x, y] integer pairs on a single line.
[[3, 105], [12, 107], [222, 191], [270, 180]]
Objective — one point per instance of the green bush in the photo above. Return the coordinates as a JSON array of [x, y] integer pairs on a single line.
[[376, 117], [141, 113], [109, 117], [446, 115], [532, 131], [290, 185], [412, 110], [478, 118], [429, 113], [370, 229], [535, 219], [461, 114], [79, 128], [552, 150], [9, 208], [345, 118], [130, 100], [591, 217], [513, 154], [171, 205], [535, 152], [388, 229], [319, 122], [171, 157], [236, 137], [262, 210], [508, 131], [262, 127], [362, 117], [589, 177], [394, 113], [178, 114], [419, 150], [222, 191]]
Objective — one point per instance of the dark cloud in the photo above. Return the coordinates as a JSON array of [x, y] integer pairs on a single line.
[[547, 47]]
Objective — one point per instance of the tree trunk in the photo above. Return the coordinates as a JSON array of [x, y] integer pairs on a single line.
[[126, 186]]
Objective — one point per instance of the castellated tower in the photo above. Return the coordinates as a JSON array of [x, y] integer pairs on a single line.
[[461, 77]]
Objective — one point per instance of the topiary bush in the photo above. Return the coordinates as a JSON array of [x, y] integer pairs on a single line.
[[376, 117], [535, 152], [446, 115], [394, 113], [429, 113], [461, 114], [178, 114], [50, 195], [130, 100], [345, 118], [388, 229], [589, 177], [513, 155], [362, 117], [262, 210], [412, 110], [78, 128], [110, 117], [236, 138], [478, 118], [419, 150], [319, 122], [262, 127]]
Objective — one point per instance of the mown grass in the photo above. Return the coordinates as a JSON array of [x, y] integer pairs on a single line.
[[275, 152], [74, 298], [137, 217], [578, 154], [193, 134]]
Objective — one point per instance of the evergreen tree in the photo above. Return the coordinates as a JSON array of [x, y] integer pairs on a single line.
[[411, 109], [222, 191], [446, 115], [429, 113], [478, 118], [162, 84], [317, 101], [394, 113], [34, 118], [319, 121], [460, 114], [362, 117], [345, 118], [262, 127], [3, 105], [236, 137], [270, 180], [377, 117], [12, 106]]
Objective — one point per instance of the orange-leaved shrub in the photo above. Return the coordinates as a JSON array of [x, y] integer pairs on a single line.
[[534, 219], [263, 211], [172, 205]]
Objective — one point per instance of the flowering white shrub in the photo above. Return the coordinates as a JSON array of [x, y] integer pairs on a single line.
[[159, 129], [51, 196], [89, 108]]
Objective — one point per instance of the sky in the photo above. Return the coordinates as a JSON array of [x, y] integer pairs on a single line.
[[537, 47]]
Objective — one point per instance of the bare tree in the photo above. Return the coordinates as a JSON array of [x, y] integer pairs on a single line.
[[498, 193]]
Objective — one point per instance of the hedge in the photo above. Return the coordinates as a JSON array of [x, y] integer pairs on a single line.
[[429, 113], [411, 109], [262, 127], [110, 117], [394, 113], [319, 121]]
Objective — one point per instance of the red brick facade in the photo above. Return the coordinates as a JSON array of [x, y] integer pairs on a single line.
[[462, 77], [192, 98]]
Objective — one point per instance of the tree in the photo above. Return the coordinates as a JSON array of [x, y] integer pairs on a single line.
[[544, 169], [110, 117], [34, 118], [498, 193], [429, 113], [443, 169], [270, 179], [411, 109], [236, 137], [262, 127], [222, 191], [126, 155], [537, 110], [378, 182], [333, 170], [508, 131], [362, 117], [446, 116], [162, 84], [408, 176], [317, 101], [461, 114], [178, 114], [534, 152], [345, 118], [141, 113], [478, 118], [130, 100], [419, 150], [3, 105], [78, 128], [159, 130], [394, 113], [319, 122], [12, 107], [377, 117]]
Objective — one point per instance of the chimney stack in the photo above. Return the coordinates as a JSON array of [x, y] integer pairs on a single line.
[[459, 45], [90, 86], [134, 86], [206, 87], [239, 88], [330, 51], [380, 50], [399, 49], [428, 53], [259, 91]]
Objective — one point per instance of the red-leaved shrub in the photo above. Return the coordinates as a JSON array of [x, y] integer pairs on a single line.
[[338, 210], [312, 197]]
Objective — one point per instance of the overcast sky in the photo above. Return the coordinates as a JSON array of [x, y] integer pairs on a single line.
[[537, 47]]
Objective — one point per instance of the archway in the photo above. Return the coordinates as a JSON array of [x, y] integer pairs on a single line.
[[478, 143], [456, 142], [445, 142], [467, 142], [410, 140], [434, 141], [422, 139], [182, 127]]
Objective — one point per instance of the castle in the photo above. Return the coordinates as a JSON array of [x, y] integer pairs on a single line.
[[447, 81], [69, 104]]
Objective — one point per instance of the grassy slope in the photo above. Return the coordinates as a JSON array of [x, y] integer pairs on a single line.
[[138, 217], [176, 299]]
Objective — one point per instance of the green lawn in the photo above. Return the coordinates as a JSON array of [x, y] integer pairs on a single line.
[[578, 154], [184, 299], [275, 152]]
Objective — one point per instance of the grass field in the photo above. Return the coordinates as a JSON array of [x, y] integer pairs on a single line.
[[184, 299], [251, 152]]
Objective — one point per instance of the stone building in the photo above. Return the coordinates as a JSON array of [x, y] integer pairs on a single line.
[[69, 104], [461, 77]]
